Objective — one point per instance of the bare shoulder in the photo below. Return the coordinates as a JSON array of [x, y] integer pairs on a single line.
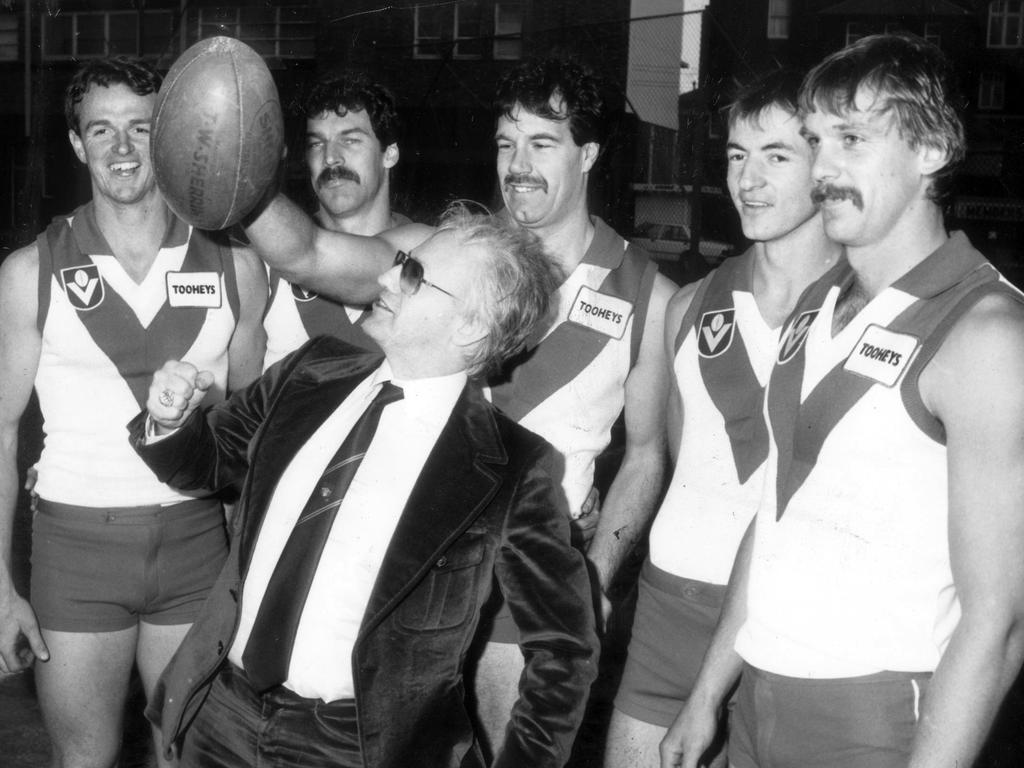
[[19, 274], [679, 303], [981, 361], [248, 266], [661, 292], [406, 236]]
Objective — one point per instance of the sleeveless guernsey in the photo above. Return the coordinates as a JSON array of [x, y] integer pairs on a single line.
[[103, 336], [724, 354], [569, 387], [850, 572]]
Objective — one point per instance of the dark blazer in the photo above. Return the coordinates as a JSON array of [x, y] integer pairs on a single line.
[[484, 512]]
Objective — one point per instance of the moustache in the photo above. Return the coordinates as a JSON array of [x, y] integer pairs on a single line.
[[525, 179], [825, 192], [336, 173]]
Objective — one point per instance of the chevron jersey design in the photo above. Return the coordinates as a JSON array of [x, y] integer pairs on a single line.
[[569, 387], [103, 336], [851, 573], [724, 354]]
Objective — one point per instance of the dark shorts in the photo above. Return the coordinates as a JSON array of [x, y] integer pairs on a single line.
[[103, 570], [675, 619], [852, 722]]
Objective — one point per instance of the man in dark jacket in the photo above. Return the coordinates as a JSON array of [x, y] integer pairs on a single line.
[[351, 652]]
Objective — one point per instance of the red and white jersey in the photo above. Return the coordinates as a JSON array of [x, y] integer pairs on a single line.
[[104, 335], [724, 355], [851, 570]]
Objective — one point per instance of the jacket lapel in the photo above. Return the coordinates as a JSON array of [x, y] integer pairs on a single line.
[[305, 401], [454, 486]]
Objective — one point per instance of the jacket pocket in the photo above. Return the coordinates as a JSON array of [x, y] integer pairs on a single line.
[[447, 596]]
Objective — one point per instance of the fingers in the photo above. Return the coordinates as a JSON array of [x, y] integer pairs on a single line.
[[177, 389]]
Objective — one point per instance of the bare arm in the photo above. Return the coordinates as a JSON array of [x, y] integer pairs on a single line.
[[637, 485], [20, 343], [973, 386], [249, 341], [691, 734], [342, 266]]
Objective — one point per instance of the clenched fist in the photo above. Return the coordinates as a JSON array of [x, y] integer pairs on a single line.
[[176, 391]]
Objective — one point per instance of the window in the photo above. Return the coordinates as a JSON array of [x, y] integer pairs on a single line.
[[893, 27], [778, 19], [1006, 24], [933, 32], [855, 30], [428, 23], [466, 30], [991, 90], [8, 37], [91, 34], [287, 32], [508, 31]]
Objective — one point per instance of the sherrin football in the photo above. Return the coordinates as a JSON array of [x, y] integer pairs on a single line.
[[217, 133]]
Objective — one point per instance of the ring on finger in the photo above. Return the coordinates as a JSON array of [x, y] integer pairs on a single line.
[[166, 398]]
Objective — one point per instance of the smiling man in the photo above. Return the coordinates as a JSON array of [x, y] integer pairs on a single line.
[[721, 333], [351, 145], [879, 614], [337, 633], [121, 562]]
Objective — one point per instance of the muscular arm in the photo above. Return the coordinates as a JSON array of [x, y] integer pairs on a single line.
[[342, 266], [694, 728], [973, 386], [249, 341], [20, 344], [634, 492]]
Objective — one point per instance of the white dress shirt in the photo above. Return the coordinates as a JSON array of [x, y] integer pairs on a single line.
[[321, 665]]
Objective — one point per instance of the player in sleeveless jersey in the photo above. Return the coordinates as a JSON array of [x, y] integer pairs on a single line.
[[351, 145], [722, 333], [121, 562], [879, 614]]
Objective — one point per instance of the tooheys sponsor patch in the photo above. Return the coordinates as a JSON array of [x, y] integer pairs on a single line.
[[194, 289], [83, 286], [881, 355], [715, 333], [601, 312]]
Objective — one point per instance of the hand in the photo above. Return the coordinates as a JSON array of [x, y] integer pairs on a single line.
[[689, 736], [176, 391], [20, 641]]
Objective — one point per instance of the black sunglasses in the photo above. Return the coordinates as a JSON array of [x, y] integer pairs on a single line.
[[412, 276]]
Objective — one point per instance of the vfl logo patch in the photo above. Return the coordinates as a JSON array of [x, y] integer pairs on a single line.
[[83, 286], [194, 289], [881, 355], [714, 335], [795, 336], [601, 312], [301, 294]]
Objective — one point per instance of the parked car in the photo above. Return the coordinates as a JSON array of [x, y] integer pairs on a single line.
[[668, 242]]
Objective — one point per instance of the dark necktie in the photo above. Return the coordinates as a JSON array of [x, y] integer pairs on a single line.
[[267, 654]]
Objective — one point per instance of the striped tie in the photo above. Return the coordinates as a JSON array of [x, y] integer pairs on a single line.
[[267, 655]]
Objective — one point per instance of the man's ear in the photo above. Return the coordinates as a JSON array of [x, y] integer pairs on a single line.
[[76, 144], [470, 331], [591, 150], [391, 156], [932, 158]]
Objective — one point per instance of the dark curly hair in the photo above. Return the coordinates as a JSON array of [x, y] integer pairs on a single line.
[[534, 82], [351, 89], [115, 70]]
